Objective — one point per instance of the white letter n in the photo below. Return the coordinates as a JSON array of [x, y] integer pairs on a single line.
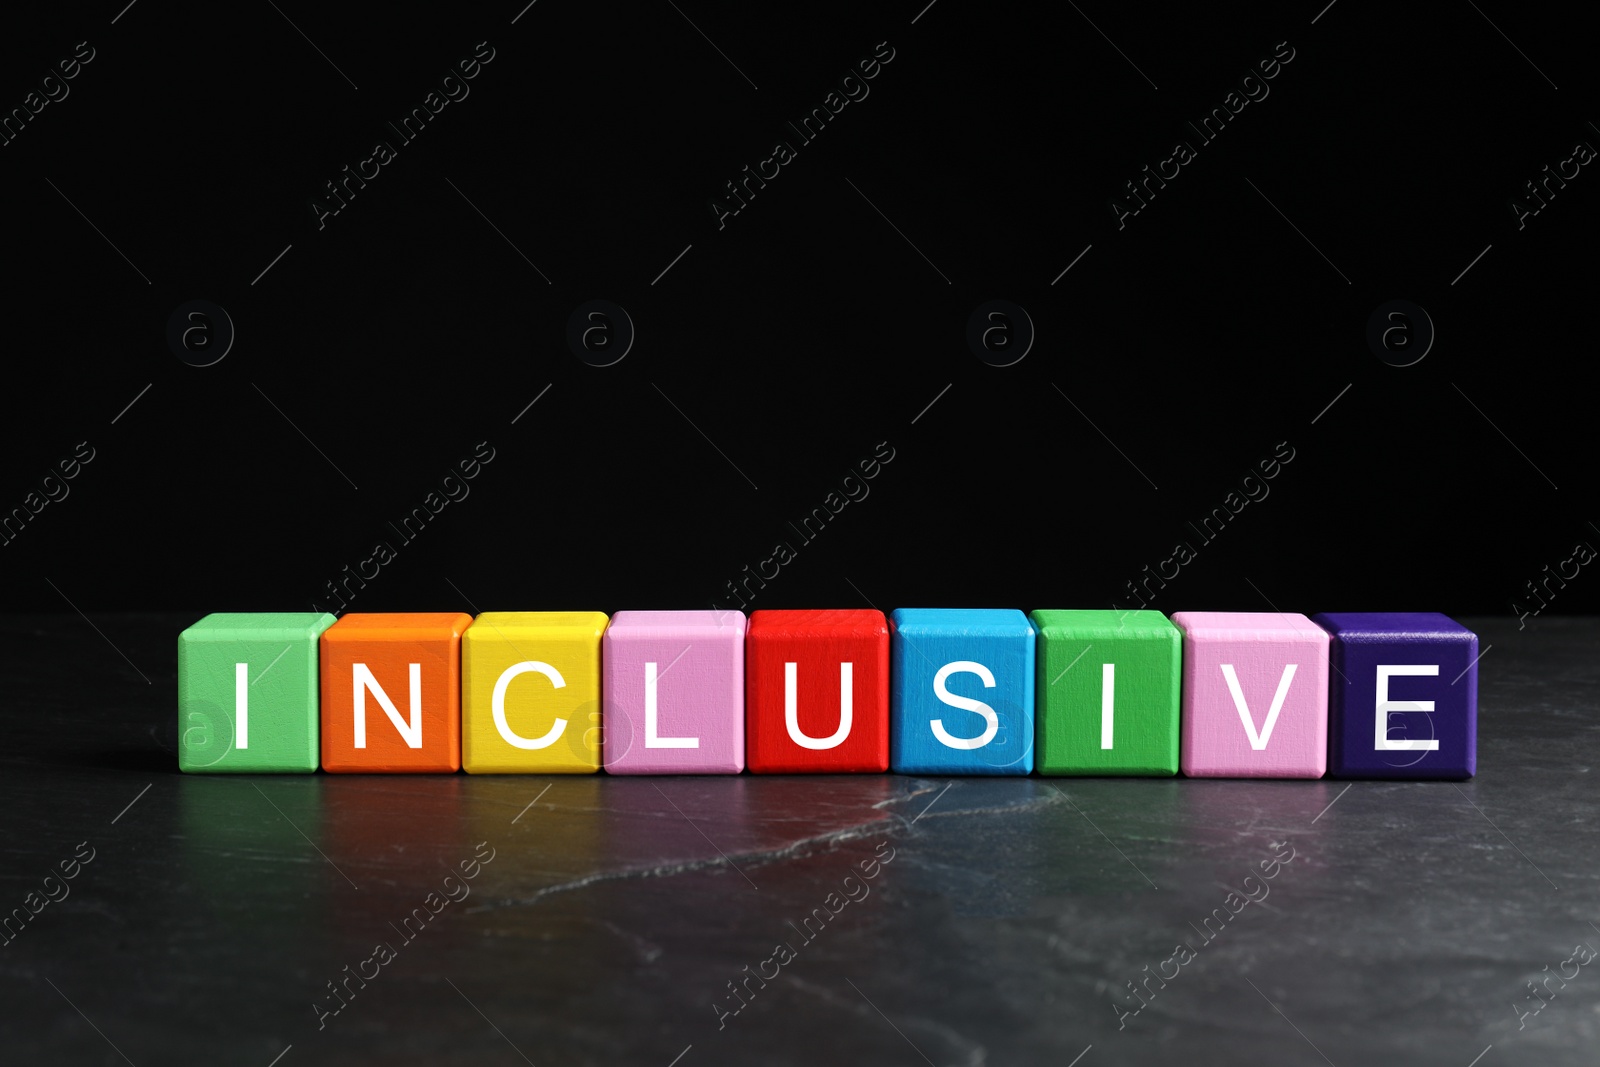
[[363, 681]]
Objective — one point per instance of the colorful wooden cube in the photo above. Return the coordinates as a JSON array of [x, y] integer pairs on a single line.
[[1403, 701], [817, 692], [531, 692], [391, 692], [961, 691], [674, 692], [1110, 688], [247, 692], [1255, 695]]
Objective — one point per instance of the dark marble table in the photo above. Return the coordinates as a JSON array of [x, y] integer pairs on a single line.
[[610, 920]]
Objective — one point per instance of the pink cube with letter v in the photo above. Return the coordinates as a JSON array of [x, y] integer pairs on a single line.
[[1255, 695]]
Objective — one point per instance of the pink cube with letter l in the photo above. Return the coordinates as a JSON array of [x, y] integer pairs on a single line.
[[673, 692]]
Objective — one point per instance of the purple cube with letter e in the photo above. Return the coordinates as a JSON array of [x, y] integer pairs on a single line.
[[1403, 695]]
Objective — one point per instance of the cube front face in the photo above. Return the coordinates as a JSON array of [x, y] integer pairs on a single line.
[[963, 691], [817, 692], [1110, 686], [248, 694], [531, 692], [1255, 695], [674, 692], [391, 693], [1404, 697]]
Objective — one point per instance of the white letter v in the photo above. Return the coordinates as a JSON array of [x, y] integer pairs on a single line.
[[1258, 741]]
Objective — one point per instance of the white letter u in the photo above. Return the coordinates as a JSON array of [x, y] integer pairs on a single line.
[[791, 713]]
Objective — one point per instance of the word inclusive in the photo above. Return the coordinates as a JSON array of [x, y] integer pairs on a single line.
[[926, 691]]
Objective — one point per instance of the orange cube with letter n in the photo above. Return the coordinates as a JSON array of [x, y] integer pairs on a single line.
[[391, 693]]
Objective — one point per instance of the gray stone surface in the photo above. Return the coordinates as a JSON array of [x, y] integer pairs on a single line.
[[614, 912]]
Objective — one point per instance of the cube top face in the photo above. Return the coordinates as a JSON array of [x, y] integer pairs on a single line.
[[958, 622], [1250, 625], [244, 625], [391, 692], [1109, 685], [247, 693], [1255, 695], [963, 685], [674, 692], [817, 692], [672, 623], [572, 623], [1100, 623], [1404, 696], [1388, 625], [819, 622], [530, 692], [399, 626]]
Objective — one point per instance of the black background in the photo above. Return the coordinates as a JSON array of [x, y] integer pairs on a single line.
[[807, 330]]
